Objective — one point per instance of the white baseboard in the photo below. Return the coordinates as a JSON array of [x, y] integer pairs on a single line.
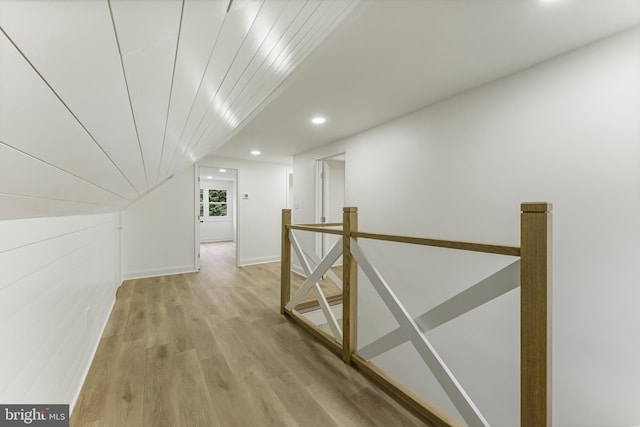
[[92, 354], [298, 270], [160, 272], [219, 239], [261, 260]]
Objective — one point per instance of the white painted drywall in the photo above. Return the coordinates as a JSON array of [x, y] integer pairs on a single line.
[[566, 131], [159, 229], [57, 286], [259, 214]]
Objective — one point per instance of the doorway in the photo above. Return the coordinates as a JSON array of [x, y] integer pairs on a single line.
[[330, 197], [217, 204]]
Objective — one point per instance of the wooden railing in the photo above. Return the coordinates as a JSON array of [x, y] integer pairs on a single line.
[[532, 270]]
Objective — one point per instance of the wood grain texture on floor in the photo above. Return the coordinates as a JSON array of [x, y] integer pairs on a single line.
[[211, 349]]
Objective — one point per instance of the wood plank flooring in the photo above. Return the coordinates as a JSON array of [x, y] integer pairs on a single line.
[[211, 349]]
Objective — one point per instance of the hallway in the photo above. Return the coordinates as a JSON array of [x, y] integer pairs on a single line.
[[211, 349]]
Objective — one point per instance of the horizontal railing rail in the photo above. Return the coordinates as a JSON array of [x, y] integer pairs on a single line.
[[316, 229], [532, 272], [323, 224], [449, 244]]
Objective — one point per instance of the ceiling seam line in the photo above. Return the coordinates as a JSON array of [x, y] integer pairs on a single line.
[[307, 49], [211, 122], [224, 78], [204, 73], [11, 147], [215, 94], [244, 39], [261, 78], [150, 190], [173, 76], [310, 45], [323, 32], [262, 82], [126, 84], [68, 108]]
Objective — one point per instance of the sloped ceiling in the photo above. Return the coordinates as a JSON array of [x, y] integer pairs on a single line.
[[101, 101]]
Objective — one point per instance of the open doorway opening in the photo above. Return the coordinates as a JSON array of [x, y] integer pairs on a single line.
[[217, 219], [330, 196]]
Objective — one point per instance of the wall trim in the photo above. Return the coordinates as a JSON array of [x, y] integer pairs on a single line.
[[92, 355], [160, 272], [220, 239], [260, 260], [298, 270]]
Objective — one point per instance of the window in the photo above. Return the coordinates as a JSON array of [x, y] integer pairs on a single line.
[[217, 202]]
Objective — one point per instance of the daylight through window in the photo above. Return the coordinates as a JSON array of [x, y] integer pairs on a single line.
[[217, 202]]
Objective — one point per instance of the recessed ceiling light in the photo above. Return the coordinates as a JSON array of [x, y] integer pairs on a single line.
[[318, 120], [209, 177], [255, 153], [223, 170]]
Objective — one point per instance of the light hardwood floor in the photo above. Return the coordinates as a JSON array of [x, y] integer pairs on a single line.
[[211, 349]]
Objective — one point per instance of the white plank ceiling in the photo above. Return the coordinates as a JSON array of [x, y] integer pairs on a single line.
[[101, 101]]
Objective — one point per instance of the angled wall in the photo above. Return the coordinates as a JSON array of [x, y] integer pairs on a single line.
[[158, 236]]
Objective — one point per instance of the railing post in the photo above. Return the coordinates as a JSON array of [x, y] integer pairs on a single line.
[[285, 261], [349, 286], [535, 315]]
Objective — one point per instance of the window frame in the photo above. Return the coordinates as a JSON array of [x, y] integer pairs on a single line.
[[205, 203]]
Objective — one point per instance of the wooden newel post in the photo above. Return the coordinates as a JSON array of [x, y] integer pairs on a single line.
[[349, 286], [285, 261], [535, 315]]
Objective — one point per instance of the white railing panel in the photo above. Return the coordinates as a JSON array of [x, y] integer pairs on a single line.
[[312, 282], [497, 284], [315, 275], [427, 352], [316, 261]]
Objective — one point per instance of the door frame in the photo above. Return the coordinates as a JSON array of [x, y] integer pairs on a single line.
[[321, 197], [198, 219], [236, 211]]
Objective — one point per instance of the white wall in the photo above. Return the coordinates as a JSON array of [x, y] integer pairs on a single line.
[[259, 216], [566, 131], [57, 286], [159, 229]]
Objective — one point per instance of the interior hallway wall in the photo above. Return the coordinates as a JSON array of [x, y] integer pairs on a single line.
[[565, 131], [159, 229], [58, 278]]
